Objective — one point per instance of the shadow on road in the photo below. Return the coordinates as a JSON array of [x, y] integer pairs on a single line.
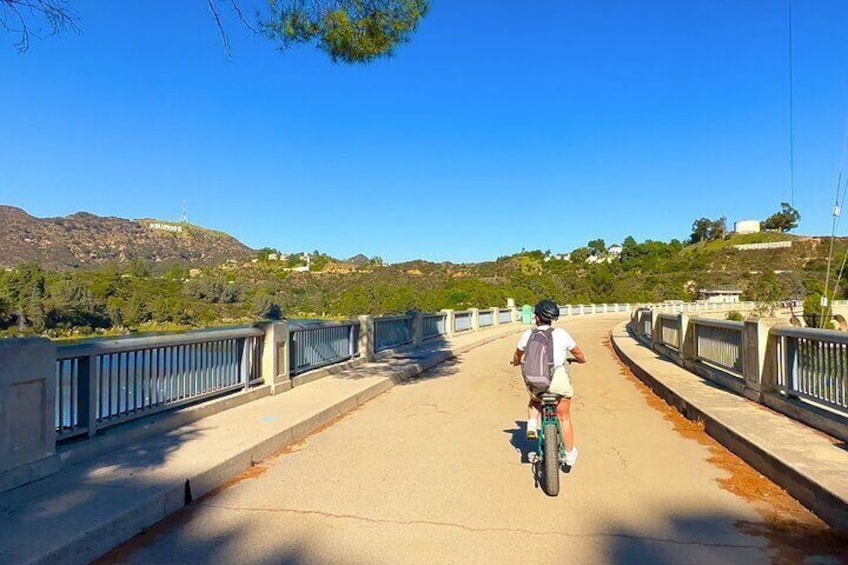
[[518, 440]]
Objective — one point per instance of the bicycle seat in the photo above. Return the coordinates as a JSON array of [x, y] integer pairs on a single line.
[[549, 398]]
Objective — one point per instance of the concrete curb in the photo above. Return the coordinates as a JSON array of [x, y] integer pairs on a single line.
[[153, 506], [829, 506]]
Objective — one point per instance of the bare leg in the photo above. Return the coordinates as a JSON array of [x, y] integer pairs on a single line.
[[564, 416], [534, 408]]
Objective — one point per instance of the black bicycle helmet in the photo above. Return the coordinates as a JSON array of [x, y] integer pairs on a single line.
[[547, 310]]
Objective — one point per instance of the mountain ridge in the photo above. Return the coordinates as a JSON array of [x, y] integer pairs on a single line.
[[83, 239]]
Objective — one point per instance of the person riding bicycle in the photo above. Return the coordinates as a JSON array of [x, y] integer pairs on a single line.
[[546, 312]]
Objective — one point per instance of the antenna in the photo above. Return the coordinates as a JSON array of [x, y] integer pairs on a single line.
[[184, 215]]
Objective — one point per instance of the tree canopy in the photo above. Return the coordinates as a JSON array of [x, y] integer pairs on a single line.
[[705, 229], [348, 31], [784, 220]]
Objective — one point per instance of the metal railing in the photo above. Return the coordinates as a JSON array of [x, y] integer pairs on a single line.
[[433, 325], [485, 318], [505, 316], [392, 331], [461, 321], [108, 382], [669, 330], [317, 345], [813, 364], [719, 343]]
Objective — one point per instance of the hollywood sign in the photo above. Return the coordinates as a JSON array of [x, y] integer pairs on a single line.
[[166, 227]]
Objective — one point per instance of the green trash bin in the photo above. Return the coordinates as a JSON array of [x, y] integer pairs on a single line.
[[527, 314]]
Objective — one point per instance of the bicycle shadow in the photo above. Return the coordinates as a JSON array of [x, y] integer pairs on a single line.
[[526, 447], [518, 440]]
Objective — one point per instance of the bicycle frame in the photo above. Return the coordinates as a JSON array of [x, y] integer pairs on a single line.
[[549, 416]]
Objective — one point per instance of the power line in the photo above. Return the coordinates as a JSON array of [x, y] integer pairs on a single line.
[[791, 119]]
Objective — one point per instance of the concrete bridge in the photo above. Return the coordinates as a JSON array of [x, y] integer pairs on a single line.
[[342, 466]]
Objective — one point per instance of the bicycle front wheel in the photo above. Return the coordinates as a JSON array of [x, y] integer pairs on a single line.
[[551, 457]]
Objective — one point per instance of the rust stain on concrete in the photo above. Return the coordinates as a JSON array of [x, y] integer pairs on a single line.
[[793, 532]]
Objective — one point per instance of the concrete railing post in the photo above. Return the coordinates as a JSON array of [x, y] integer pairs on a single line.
[[27, 411], [448, 323], [417, 328], [496, 317], [366, 338], [276, 356], [687, 338], [759, 367], [656, 329], [475, 319], [513, 315], [88, 394]]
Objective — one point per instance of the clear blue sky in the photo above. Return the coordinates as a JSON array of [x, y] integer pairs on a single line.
[[591, 119]]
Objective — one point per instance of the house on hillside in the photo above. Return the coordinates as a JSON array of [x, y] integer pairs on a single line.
[[725, 295], [615, 250]]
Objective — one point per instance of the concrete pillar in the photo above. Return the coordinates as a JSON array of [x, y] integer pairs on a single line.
[[276, 356], [513, 314], [594, 308], [475, 319], [417, 328], [496, 317], [760, 360], [366, 338], [27, 411], [687, 338], [656, 329], [448, 323]]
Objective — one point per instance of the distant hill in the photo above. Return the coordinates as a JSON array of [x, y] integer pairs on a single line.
[[84, 240]]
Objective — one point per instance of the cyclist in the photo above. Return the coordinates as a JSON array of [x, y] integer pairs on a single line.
[[546, 312]]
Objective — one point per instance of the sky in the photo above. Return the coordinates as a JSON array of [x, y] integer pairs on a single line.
[[501, 126]]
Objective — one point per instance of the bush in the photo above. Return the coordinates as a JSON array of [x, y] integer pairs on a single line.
[[735, 316]]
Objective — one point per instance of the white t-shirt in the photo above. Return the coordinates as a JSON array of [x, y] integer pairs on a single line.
[[563, 343]]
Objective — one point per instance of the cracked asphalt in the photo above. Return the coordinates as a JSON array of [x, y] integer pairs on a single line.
[[437, 471]]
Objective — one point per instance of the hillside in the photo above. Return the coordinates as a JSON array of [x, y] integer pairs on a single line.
[[87, 274], [85, 240]]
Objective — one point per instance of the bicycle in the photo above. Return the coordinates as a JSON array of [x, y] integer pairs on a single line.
[[550, 447], [550, 454]]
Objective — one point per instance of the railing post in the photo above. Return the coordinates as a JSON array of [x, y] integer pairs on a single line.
[[366, 338], [686, 337], [27, 411], [275, 356], [88, 394], [513, 314], [496, 317], [448, 323], [417, 328], [475, 319], [656, 329], [759, 368]]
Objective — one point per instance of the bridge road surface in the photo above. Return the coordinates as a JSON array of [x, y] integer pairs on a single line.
[[436, 471]]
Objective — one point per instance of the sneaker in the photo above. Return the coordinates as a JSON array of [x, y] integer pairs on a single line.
[[532, 432], [571, 457]]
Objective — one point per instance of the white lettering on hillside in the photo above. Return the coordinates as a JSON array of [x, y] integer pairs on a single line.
[[768, 245], [165, 227]]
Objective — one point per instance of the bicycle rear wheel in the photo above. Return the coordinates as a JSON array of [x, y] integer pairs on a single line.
[[551, 459]]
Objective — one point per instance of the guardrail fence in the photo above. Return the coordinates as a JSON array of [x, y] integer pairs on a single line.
[[801, 372], [102, 383], [108, 382], [313, 346], [813, 365], [719, 343], [393, 331]]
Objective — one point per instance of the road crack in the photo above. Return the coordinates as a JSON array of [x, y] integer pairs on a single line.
[[476, 530]]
